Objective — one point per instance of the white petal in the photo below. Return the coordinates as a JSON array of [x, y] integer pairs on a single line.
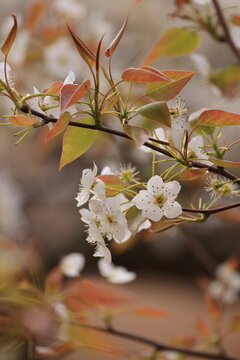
[[155, 185], [82, 197], [70, 78], [88, 176], [171, 189], [107, 171], [172, 209], [86, 216], [98, 208], [104, 268], [99, 191], [120, 234], [143, 199], [145, 225], [104, 252], [72, 264], [153, 213], [121, 275], [202, 64]]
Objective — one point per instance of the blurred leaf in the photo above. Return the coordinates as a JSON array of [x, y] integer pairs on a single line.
[[150, 311], [111, 48], [165, 91], [235, 19], [213, 307], [82, 48], [186, 341], [192, 174], [173, 42], [53, 281], [6, 47], [157, 111], [71, 93], [226, 79], [60, 125], [138, 134], [134, 219], [202, 328], [54, 89], [21, 120], [110, 104], [76, 141], [76, 307], [35, 13], [181, 2], [112, 181], [145, 75], [235, 323], [219, 118], [232, 215], [225, 163]]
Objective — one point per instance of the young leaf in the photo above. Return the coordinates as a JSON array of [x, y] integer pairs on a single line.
[[110, 104], [181, 2], [114, 182], [192, 174], [173, 42], [165, 91], [82, 48], [71, 93], [214, 308], [146, 75], [35, 13], [157, 111], [76, 141], [60, 126], [202, 328], [235, 19], [226, 79], [149, 311], [235, 323], [111, 48], [218, 118], [54, 89], [21, 120], [225, 163], [6, 47], [134, 218], [186, 341], [139, 134]]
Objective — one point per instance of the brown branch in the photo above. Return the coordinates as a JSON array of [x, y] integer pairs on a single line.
[[158, 345], [212, 169], [212, 211], [225, 28]]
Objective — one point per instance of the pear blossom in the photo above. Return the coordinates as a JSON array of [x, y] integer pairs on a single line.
[[9, 74], [127, 173], [72, 264], [112, 221], [115, 274], [202, 2], [195, 150], [159, 134], [88, 177], [178, 112], [158, 200], [219, 185]]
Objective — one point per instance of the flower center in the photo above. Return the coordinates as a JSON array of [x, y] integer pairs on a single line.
[[226, 189], [160, 200], [127, 176], [110, 219]]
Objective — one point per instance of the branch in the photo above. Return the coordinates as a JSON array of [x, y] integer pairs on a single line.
[[226, 29], [158, 345], [212, 211], [212, 169]]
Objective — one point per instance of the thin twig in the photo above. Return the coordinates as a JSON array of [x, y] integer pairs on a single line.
[[212, 211]]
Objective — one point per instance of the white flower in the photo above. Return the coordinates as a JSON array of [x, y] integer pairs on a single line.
[[88, 177], [94, 235], [70, 8], [158, 134], [178, 111], [72, 264], [115, 274], [158, 200], [9, 74], [219, 185], [112, 221], [202, 2], [195, 150], [127, 173]]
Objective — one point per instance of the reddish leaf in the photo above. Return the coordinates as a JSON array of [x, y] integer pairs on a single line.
[[149, 311], [76, 307], [192, 174], [35, 13], [139, 134], [165, 91], [21, 120], [60, 126], [219, 118], [186, 341], [214, 308], [173, 42], [53, 281], [202, 328], [82, 48], [235, 323], [6, 47], [71, 93], [111, 48], [54, 89], [157, 111], [138, 75], [181, 2], [114, 182], [235, 19]]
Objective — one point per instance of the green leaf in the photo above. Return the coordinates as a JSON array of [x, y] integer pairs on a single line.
[[218, 118], [225, 163], [157, 111], [60, 126], [167, 90], [138, 134], [173, 42], [226, 79], [134, 218], [76, 142]]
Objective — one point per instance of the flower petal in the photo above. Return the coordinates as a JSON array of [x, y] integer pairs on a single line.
[[172, 209], [171, 189], [143, 199], [153, 213], [155, 185]]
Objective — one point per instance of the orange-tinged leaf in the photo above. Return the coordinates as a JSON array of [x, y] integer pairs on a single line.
[[110, 104], [186, 341], [111, 48], [53, 281], [235, 323], [202, 328], [82, 48], [192, 174], [114, 182], [35, 13], [235, 19], [225, 163], [173, 42], [167, 90], [71, 93], [60, 126], [6, 47], [214, 308], [181, 2], [21, 120], [54, 89], [226, 79], [76, 307], [138, 134], [150, 311], [76, 141], [219, 118], [157, 111], [146, 75]]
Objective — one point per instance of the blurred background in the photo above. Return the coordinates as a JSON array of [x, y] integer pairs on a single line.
[[37, 202]]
